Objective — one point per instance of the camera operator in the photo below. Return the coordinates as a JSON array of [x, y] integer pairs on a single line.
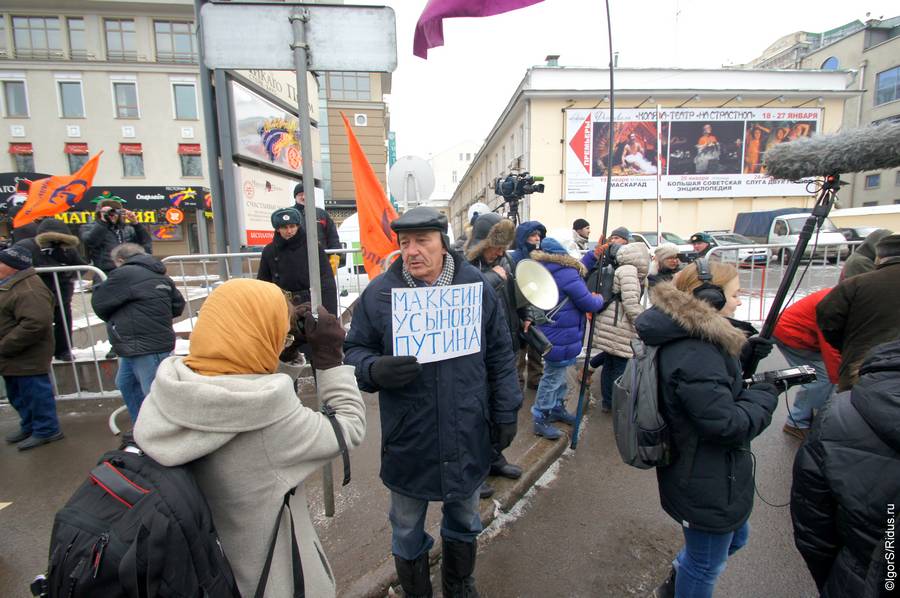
[[845, 476], [113, 225], [708, 488]]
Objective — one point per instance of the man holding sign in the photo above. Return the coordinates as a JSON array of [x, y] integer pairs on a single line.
[[432, 339]]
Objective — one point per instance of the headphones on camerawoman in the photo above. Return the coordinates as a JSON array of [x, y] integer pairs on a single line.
[[707, 291]]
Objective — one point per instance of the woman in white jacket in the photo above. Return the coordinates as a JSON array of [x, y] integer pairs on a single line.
[[615, 328], [248, 439]]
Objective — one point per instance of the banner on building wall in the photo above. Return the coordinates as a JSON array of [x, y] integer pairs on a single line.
[[267, 133], [703, 152]]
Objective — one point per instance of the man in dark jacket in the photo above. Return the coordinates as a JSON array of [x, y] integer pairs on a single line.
[[55, 246], [325, 228], [859, 313], [284, 262], [112, 226], [437, 418], [530, 364], [847, 482], [863, 258], [26, 347], [486, 250], [138, 302]]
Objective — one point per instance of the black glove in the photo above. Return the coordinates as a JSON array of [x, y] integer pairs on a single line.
[[389, 371], [754, 350], [325, 336], [502, 435]]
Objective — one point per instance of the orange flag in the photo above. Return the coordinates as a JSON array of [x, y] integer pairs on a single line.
[[374, 210], [56, 194]]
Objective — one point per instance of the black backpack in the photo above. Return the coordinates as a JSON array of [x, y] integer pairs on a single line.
[[602, 278]]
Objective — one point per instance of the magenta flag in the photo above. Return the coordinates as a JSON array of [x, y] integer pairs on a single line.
[[430, 28]]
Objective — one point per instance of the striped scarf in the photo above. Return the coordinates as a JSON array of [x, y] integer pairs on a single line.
[[445, 279]]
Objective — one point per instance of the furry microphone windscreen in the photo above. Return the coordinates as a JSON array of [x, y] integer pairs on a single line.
[[857, 150]]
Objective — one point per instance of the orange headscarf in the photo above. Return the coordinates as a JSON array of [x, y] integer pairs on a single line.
[[241, 329]]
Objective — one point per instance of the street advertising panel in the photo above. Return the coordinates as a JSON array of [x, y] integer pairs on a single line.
[[259, 193], [268, 134], [283, 85], [699, 152]]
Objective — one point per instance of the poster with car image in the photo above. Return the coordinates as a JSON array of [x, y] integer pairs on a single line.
[[698, 152]]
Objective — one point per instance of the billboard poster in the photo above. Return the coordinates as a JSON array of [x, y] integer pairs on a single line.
[[268, 134], [698, 152]]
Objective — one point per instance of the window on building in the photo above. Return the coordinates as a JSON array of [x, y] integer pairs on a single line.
[[174, 41], [460, 157], [37, 37], [71, 102], [77, 40], [14, 99], [897, 179], [185, 95], [869, 204], [77, 156], [132, 159], [349, 86], [191, 159], [873, 181], [120, 40], [468, 156], [830, 64], [23, 157], [3, 52], [455, 177], [887, 86], [125, 96]]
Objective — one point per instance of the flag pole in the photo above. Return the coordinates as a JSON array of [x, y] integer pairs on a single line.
[[579, 413]]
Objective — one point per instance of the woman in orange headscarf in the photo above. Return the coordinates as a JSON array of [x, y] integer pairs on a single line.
[[238, 424]]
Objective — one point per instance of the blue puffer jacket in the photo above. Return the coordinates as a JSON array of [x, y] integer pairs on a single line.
[[566, 332], [435, 431], [523, 249]]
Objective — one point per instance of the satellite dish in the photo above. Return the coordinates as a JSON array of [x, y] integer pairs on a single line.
[[411, 181], [536, 284], [479, 208]]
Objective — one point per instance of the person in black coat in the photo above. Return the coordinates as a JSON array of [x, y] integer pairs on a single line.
[[708, 487], [437, 418], [847, 483], [113, 225], [138, 302], [284, 262], [53, 245]]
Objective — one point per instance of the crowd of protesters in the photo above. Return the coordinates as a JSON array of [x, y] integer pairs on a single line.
[[446, 423]]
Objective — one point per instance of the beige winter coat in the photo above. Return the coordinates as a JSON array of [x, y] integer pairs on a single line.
[[249, 440], [615, 328]]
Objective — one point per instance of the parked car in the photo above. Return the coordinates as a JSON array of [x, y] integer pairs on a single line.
[[743, 257], [650, 239], [857, 233], [784, 226]]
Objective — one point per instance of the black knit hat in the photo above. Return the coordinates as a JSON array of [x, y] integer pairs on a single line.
[[580, 223], [888, 246], [298, 188], [621, 232], [16, 257]]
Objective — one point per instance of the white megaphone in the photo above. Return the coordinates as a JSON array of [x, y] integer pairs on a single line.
[[536, 284]]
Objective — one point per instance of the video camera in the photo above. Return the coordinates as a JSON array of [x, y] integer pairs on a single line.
[[516, 186], [784, 379]]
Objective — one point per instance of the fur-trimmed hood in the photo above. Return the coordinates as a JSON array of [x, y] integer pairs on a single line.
[[500, 234], [45, 240], [677, 315], [559, 258]]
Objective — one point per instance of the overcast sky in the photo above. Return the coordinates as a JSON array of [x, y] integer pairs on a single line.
[[459, 92]]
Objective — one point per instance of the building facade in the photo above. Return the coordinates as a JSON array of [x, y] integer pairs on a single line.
[[788, 52], [553, 126], [872, 55], [448, 167]]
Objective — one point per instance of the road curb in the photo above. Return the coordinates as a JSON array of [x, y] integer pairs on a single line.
[[535, 462]]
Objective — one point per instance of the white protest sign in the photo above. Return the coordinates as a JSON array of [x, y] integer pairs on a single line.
[[437, 323]]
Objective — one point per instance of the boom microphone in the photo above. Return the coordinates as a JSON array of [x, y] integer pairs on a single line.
[[856, 150]]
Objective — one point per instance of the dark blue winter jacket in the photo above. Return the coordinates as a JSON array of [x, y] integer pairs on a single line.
[[566, 331], [523, 249], [435, 431]]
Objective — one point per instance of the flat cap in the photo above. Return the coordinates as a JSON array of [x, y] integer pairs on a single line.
[[421, 218]]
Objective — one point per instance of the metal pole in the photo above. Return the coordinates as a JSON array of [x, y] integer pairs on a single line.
[[212, 145], [298, 23], [229, 181], [659, 239]]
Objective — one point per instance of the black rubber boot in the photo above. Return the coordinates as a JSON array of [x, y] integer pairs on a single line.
[[457, 567], [667, 588], [415, 576]]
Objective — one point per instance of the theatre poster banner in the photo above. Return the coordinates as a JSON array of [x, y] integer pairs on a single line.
[[697, 152]]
